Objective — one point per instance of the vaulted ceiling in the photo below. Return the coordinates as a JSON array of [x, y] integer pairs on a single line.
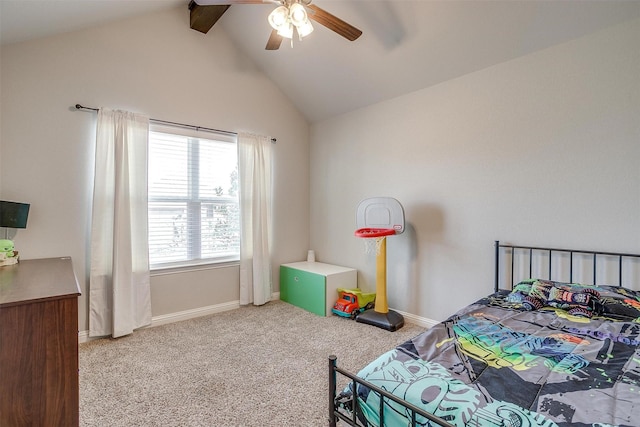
[[406, 45]]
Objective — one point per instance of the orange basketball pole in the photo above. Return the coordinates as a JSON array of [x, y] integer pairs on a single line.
[[381, 278], [380, 315]]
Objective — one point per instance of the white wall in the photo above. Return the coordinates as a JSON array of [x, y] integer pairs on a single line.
[[155, 65], [541, 150]]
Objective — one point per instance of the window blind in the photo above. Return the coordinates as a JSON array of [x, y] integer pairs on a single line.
[[193, 197]]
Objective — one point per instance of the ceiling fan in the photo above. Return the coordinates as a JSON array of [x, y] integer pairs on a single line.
[[289, 17]]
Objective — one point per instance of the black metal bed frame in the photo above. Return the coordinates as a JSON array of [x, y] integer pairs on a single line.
[[336, 414], [549, 252]]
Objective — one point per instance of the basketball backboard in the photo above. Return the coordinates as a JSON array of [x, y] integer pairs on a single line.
[[380, 212]]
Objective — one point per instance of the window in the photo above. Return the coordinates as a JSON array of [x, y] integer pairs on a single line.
[[194, 216]]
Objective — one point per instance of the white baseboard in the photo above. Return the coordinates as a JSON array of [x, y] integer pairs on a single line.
[[83, 336], [164, 319], [417, 320], [193, 313]]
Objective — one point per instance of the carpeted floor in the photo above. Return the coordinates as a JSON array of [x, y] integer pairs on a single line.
[[254, 366]]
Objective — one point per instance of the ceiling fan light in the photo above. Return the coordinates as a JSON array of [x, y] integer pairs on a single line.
[[304, 29], [286, 30], [298, 14], [278, 17]]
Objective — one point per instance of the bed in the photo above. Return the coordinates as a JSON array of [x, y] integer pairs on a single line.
[[536, 352]]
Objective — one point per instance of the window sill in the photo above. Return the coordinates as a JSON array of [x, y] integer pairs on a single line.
[[185, 268]]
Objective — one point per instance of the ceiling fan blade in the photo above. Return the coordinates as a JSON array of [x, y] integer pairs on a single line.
[[227, 2], [202, 18], [334, 23], [274, 42]]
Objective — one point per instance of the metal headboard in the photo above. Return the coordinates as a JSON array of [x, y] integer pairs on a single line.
[[525, 255]]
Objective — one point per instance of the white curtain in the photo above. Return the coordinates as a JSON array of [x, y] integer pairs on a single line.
[[255, 173], [119, 293]]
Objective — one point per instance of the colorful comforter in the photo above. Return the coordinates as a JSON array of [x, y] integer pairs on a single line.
[[503, 362]]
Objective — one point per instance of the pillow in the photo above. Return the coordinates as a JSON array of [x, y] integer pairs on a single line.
[[620, 303], [619, 292], [612, 302], [576, 300]]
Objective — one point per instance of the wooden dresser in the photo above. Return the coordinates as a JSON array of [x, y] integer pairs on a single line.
[[39, 344]]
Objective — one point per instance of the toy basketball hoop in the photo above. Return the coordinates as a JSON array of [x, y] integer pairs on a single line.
[[374, 232], [373, 238], [376, 219]]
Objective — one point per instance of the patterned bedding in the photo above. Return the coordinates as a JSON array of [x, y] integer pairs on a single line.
[[567, 360]]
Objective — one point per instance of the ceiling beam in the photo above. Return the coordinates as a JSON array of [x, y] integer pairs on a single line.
[[203, 17]]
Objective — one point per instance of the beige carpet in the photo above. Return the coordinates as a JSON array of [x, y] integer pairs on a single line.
[[254, 366]]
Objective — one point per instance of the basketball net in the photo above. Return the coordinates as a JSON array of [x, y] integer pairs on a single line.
[[372, 245]]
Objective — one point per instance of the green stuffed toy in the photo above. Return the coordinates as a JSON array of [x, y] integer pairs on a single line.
[[8, 255]]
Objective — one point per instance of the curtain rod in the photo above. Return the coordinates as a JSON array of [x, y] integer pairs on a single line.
[[164, 122]]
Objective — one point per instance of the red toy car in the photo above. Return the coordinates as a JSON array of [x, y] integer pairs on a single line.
[[353, 302]]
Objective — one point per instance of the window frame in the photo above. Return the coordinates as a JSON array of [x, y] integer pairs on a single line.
[[194, 202]]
